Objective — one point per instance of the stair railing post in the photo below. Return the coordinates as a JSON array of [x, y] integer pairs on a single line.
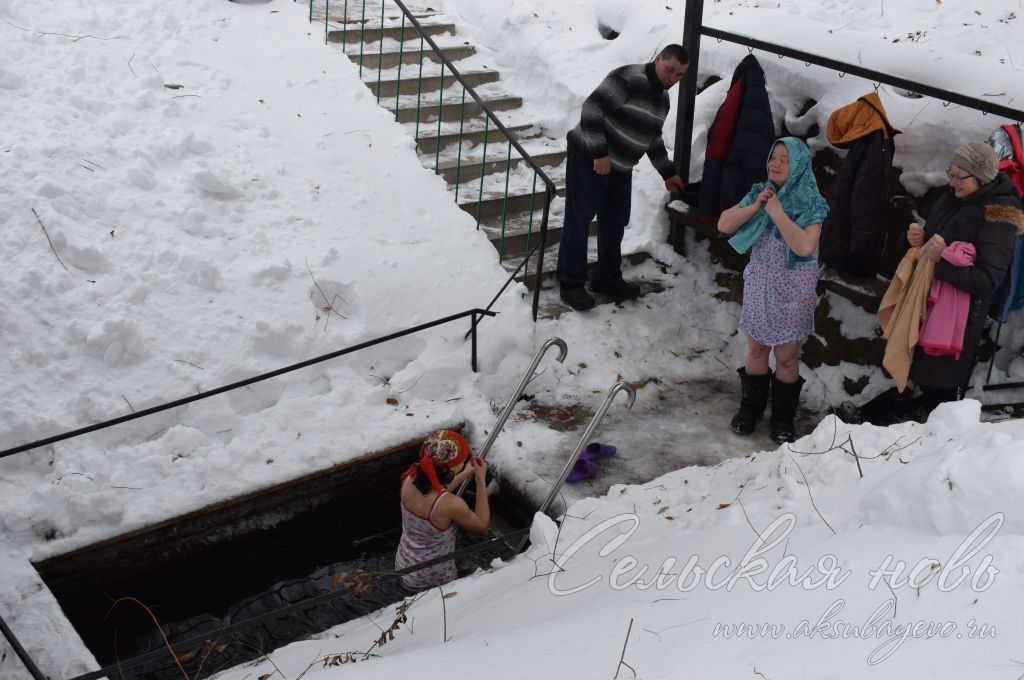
[[344, 26], [483, 161], [380, 51], [473, 329], [398, 81], [504, 204], [310, 11], [458, 156], [327, 14], [693, 20], [419, 90], [529, 226], [362, 38], [540, 250], [440, 115]]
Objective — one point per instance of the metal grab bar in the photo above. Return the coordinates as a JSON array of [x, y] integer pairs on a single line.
[[20, 652], [548, 344], [620, 386]]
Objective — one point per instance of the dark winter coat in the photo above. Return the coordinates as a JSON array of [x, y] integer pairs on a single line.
[[853, 233], [990, 219], [739, 140]]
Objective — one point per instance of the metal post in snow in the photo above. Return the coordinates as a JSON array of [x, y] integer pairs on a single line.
[[693, 20]]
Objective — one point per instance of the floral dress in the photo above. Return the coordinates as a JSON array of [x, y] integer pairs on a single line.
[[778, 303], [422, 541]]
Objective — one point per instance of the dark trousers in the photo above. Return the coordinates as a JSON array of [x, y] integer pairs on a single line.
[[587, 195]]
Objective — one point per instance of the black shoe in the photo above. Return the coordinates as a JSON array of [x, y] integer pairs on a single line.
[[785, 399], [616, 288], [753, 400], [576, 297]]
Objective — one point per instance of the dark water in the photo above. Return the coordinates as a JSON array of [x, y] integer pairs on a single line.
[[250, 577]]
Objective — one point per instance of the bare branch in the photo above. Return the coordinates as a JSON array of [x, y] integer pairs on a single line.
[[808, 485], [622, 656], [47, 235]]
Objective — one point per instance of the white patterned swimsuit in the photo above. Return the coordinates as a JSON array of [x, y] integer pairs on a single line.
[[422, 541]]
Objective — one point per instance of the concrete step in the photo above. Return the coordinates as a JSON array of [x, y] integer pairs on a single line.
[[453, 110], [473, 168], [411, 83], [390, 58], [349, 33], [515, 238], [493, 205], [472, 134], [548, 281]]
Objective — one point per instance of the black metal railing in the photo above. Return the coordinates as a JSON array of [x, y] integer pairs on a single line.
[[20, 652], [490, 119], [474, 313], [694, 28]]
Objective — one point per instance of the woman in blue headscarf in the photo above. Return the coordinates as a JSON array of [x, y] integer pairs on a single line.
[[779, 222]]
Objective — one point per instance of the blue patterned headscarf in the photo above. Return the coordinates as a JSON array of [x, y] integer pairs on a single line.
[[799, 196]]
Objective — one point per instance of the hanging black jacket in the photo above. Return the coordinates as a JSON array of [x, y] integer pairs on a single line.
[[739, 141], [990, 219], [853, 233]]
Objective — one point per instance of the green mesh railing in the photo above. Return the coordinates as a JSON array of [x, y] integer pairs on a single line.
[[339, 26]]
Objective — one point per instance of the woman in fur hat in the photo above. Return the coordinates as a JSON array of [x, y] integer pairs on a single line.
[[981, 208], [431, 512]]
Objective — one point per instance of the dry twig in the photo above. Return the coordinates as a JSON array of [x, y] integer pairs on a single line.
[[47, 235], [622, 656]]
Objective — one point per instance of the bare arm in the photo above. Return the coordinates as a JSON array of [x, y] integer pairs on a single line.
[[735, 217], [803, 242], [477, 520]]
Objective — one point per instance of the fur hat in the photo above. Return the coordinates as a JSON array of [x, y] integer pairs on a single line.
[[978, 159]]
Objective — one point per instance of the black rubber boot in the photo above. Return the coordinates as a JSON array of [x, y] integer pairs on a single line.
[[785, 399], [753, 399]]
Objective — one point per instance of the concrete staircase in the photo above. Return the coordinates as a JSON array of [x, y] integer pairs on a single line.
[[450, 128]]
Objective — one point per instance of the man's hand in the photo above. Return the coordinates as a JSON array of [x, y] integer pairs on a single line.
[[674, 184], [603, 166]]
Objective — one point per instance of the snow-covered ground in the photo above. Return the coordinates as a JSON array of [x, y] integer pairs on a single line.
[[195, 192]]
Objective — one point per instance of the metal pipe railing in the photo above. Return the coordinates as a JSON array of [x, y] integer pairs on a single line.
[[620, 386], [474, 313], [20, 652], [548, 344]]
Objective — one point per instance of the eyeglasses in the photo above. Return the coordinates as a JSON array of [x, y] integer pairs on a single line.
[[957, 178]]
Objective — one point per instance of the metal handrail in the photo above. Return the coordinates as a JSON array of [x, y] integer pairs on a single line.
[[694, 28], [620, 386], [549, 187], [548, 344], [20, 652], [255, 379]]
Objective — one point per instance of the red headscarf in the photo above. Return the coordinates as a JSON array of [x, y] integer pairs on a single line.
[[444, 449]]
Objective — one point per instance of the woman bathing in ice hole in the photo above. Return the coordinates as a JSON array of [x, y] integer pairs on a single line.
[[431, 512], [780, 220]]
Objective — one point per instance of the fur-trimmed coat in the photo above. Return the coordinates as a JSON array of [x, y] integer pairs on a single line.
[[990, 220]]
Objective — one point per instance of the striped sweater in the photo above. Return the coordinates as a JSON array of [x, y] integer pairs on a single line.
[[622, 119]]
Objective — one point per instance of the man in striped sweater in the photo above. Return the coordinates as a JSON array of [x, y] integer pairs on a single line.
[[620, 122]]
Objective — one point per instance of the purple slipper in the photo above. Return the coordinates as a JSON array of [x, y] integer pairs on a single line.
[[595, 451], [583, 469]]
